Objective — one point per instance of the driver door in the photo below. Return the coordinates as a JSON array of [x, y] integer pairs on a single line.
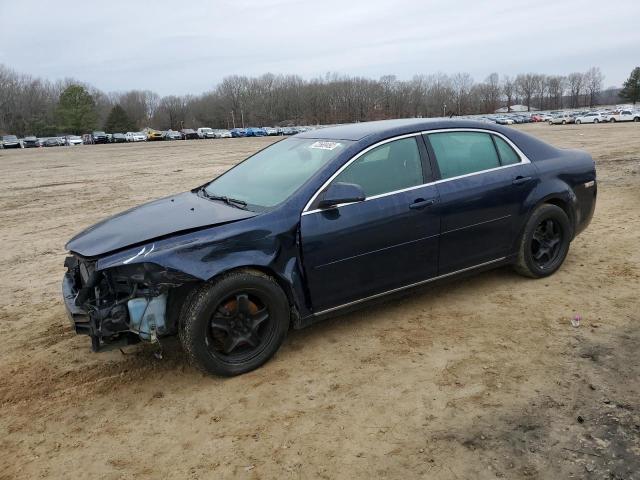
[[389, 240]]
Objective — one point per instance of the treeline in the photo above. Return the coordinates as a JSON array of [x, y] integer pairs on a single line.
[[35, 106]]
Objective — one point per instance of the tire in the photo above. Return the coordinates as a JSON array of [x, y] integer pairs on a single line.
[[612, 120], [578, 122], [564, 122], [223, 333], [550, 122], [636, 119], [534, 242], [595, 120]]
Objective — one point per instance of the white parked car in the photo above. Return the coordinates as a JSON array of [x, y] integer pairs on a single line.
[[74, 140], [561, 119], [624, 116], [222, 133], [591, 117], [135, 136], [206, 132], [504, 121], [271, 131]]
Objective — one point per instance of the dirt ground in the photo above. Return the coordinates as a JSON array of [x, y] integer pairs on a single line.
[[483, 378]]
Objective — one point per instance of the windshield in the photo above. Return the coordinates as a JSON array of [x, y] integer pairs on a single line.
[[272, 175]]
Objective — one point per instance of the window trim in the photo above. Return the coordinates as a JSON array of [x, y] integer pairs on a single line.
[[523, 160], [495, 145]]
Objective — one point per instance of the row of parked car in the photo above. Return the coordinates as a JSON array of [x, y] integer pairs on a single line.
[[564, 117], [611, 116], [148, 134]]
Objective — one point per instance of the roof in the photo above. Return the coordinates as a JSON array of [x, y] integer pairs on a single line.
[[384, 128], [368, 133]]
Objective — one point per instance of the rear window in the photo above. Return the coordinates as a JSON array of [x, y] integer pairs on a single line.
[[461, 153]]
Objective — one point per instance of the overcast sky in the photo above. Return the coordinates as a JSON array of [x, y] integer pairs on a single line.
[[181, 47]]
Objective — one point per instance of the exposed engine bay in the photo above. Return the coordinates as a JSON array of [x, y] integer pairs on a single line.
[[122, 305]]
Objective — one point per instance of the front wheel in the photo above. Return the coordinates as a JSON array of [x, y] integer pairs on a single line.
[[578, 122], [596, 120], [545, 242], [235, 324]]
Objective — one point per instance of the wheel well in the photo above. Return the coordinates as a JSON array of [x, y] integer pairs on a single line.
[[286, 288], [558, 202], [180, 295]]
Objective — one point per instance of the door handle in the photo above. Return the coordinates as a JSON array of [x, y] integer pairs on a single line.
[[521, 180], [421, 203]]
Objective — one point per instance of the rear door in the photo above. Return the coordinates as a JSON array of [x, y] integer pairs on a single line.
[[387, 241], [483, 182]]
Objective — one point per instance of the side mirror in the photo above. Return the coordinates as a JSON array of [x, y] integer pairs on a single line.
[[339, 192]]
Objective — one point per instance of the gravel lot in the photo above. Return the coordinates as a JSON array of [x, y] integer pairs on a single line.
[[482, 378]]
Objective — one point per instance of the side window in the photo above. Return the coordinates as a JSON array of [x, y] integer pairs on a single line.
[[389, 167], [508, 156], [460, 153]]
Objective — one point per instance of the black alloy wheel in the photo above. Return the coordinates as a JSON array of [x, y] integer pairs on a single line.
[[239, 327], [546, 243], [234, 323]]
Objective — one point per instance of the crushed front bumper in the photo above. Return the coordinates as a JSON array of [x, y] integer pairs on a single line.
[[78, 317]]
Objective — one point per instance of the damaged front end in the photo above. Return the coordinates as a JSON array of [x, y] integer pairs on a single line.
[[122, 305]]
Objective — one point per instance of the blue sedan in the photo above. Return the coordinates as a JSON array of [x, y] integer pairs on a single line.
[[238, 132], [321, 223], [256, 132]]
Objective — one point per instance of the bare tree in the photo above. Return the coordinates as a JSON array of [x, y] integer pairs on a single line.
[[28, 105], [509, 90], [493, 91], [575, 82], [171, 112], [461, 84], [593, 80], [526, 86]]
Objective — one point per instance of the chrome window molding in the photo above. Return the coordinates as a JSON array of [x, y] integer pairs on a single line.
[[405, 287], [523, 160]]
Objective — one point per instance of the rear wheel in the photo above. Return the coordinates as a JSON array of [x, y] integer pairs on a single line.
[[545, 242], [595, 120], [612, 120], [564, 122], [578, 122], [235, 324]]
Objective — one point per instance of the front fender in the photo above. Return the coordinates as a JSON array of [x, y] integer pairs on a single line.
[[209, 253]]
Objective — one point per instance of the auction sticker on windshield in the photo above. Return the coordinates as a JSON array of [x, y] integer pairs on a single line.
[[325, 145]]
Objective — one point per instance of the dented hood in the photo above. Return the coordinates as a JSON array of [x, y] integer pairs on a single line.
[[159, 218]]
